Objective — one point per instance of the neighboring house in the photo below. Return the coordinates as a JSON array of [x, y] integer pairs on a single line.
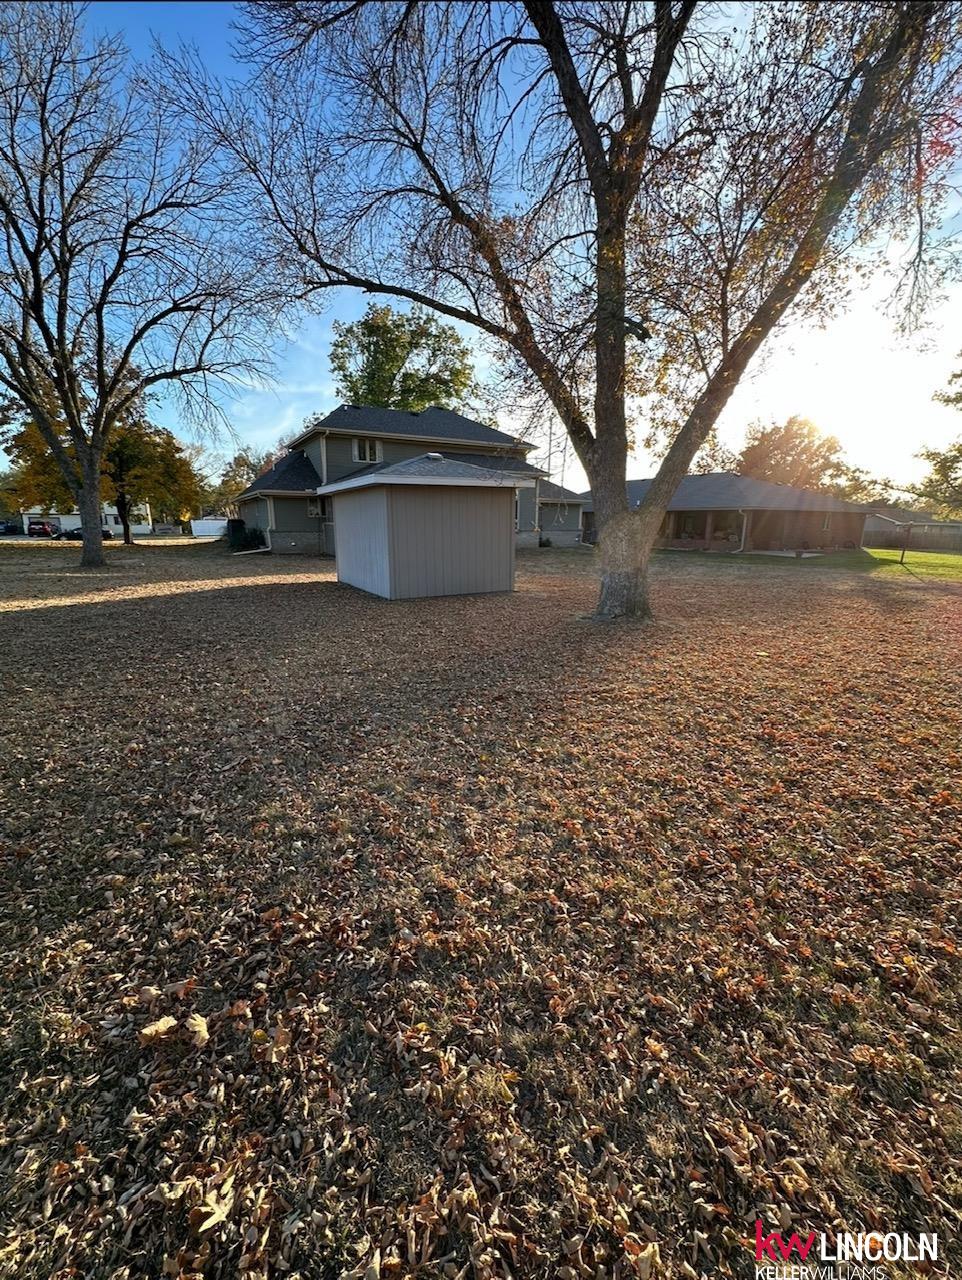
[[559, 514], [285, 505], [898, 527], [727, 512], [140, 525]]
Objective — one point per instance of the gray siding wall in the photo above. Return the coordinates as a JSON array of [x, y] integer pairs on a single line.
[[559, 515], [527, 509], [340, 463], [340, 455], [449, 541], [291, 513], [294, 532], [313, 448], [254, 513], [363, 550]]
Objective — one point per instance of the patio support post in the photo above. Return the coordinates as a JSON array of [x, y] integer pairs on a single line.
[[709, 528], [746, 531]]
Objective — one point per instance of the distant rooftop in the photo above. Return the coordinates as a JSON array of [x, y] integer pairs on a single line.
[[726, 491], [548, 491]]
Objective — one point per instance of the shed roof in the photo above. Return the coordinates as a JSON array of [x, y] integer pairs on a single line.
[[429, 469], [726, 491], [430, 424], [294, 473]]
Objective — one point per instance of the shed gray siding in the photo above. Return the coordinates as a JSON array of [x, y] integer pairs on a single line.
[[407, 541], [362, 539], [450, 541]]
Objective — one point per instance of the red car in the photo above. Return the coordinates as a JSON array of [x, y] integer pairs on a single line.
[[42, 529]]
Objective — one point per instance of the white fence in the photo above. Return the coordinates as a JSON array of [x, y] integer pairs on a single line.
[[214, 528]]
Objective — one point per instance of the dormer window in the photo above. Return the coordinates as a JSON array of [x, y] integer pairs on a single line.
[[367, 449]]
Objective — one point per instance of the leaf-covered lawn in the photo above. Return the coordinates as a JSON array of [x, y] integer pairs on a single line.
[[466, 938]]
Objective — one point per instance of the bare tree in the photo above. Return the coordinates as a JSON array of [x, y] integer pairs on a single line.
[[548, 172], [118, 274]]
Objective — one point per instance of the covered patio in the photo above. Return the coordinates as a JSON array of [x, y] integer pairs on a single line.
[[725, 512]]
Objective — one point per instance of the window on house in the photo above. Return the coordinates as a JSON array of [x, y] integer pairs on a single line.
[[517, 514], [367, 450], [826, 521]]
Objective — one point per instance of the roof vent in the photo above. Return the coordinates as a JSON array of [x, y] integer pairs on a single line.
[[435, 457]]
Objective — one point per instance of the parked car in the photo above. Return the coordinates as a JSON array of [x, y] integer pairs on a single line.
[[10, 528], [42, 529], [77, 535]]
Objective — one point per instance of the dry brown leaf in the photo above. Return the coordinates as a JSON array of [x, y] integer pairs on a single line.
[[157, 1030]]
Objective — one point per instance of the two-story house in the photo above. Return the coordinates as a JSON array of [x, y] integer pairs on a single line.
[[283, 502]]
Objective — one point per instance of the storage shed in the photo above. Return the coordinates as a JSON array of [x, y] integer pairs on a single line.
[[427, 526]]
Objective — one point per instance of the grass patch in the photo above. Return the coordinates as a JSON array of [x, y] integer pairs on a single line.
[[935, 565]]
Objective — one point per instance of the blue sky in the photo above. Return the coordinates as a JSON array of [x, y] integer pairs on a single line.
[[302, 378], [856, 378]]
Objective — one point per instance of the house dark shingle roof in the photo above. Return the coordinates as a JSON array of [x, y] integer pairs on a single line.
[[725, 491], [432, 424], [294, 473], [551, 492], [496, 462]]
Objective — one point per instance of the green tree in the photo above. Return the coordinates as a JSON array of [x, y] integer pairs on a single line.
[[141, 464], [144, 463], [401, 360], [244, 467], [942, 486], [9, 501], [796, 452], [793, 452]]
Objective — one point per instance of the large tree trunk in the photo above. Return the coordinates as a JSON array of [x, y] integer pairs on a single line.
[[92, 555], [625, 549]]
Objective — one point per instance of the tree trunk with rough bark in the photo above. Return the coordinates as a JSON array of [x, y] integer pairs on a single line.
[[625, 552], [624, 556], [88, 501]]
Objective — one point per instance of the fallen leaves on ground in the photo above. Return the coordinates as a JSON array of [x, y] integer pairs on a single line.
[[463, 938]]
